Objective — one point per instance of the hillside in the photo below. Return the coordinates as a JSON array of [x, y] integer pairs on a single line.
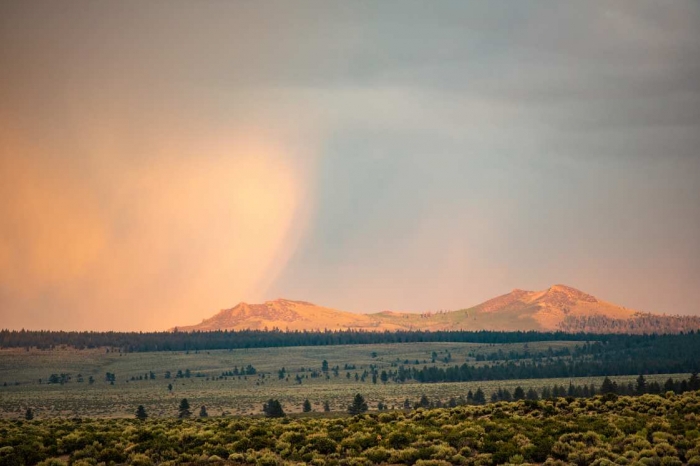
[[283, 314], [559, 307]]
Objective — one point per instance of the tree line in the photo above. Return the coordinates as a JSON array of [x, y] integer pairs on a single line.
[[641, 323], [212, 340], [544, 370]]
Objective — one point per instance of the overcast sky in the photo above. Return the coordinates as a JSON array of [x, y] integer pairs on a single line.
[[160, 161]]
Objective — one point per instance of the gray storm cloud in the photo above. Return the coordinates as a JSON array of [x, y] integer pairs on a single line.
[[160, 161]]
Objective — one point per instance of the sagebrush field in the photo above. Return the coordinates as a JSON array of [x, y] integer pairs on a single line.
[[604, 430]]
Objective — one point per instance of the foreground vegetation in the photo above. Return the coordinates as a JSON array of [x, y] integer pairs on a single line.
[[608, 429]]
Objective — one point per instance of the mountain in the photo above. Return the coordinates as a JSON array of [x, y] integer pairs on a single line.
[[283, 314], [559, 307]]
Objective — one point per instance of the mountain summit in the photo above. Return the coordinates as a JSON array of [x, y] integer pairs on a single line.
[[284, 314], [558, 308]]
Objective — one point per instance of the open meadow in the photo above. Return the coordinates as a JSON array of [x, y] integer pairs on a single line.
[[238, 382]]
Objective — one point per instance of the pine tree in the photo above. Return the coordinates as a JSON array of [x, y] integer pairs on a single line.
[[273, 408], [29, 414], [141, 413], [669, 385], [694, 381], [306, 407], [203, 411], [184, 410], [505, 395], [519, 393], [607, 387], [326, 406], [532, 394], [358, 405], [641, 385], [479, 397], [424, 402]]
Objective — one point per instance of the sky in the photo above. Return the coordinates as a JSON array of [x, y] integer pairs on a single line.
[[160, 161]]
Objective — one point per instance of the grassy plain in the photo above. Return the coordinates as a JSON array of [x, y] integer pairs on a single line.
[[239, 395]]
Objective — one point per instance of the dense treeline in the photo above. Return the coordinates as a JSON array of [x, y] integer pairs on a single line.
[[626, 355], [649, 429], [186, 341], [548, 392], [549, 369], [641, 323], [619, 355]]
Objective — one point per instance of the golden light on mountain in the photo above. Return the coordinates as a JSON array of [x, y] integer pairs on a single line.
[[558, 308]]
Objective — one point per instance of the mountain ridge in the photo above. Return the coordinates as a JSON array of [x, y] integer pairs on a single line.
[[558, 308]]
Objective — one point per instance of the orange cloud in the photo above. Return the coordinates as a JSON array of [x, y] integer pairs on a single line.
[[146, 242]]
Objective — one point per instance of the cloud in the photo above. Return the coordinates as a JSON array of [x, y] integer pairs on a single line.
[[159, 163], [152, 244]]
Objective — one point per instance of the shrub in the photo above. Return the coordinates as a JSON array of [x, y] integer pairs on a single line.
[[323, 445], [377, 454], [139, 459]]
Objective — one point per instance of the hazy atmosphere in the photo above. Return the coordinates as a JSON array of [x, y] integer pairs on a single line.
[[160, 161]]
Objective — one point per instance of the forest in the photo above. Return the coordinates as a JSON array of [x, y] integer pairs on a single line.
[[223, 339]]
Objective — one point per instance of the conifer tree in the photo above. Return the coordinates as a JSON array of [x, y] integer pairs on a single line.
[[29, 414], [141, 413], [479, 397], [669, 385], [306, 407], [641, 385], [532, 394], [358, 406], [273, 408], [607, 387], [203, 411], [694, 381], [546, 393], [518, 393], [184, 410], [424, 402]]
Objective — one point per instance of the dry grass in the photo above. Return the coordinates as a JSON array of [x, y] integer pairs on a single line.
[[233, 395]]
